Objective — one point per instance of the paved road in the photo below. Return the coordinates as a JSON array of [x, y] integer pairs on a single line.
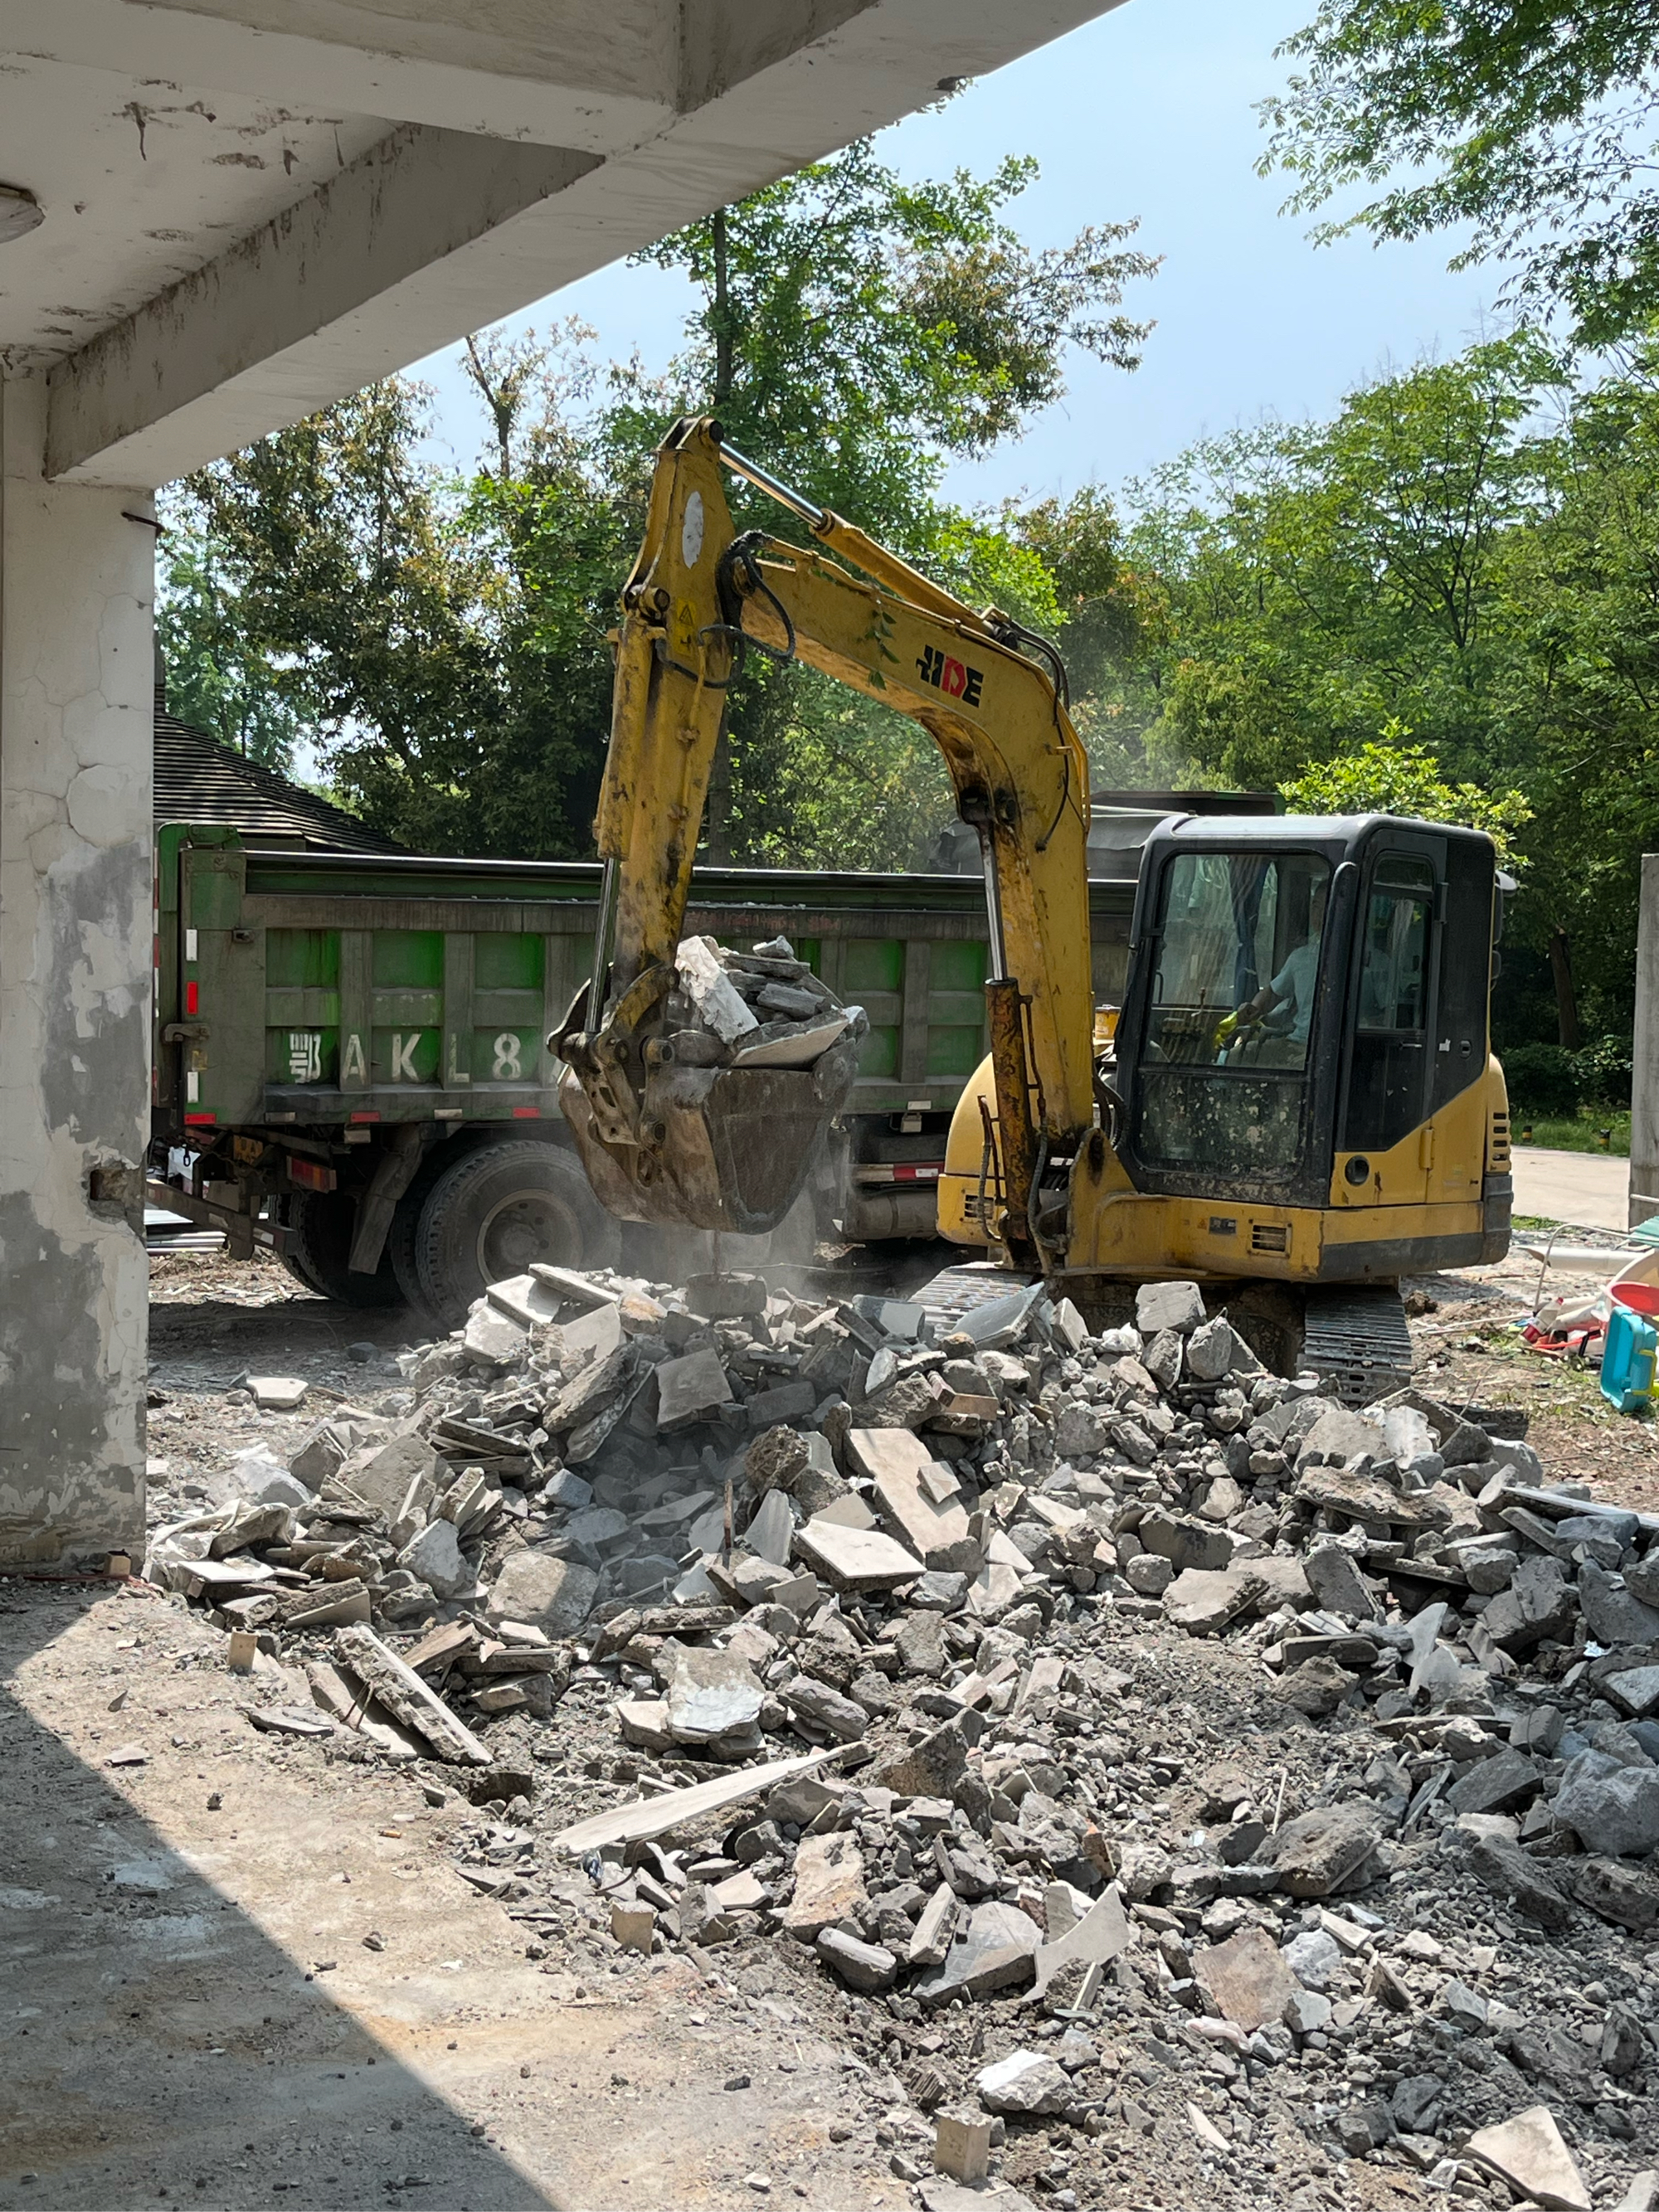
[[1579, 1186]]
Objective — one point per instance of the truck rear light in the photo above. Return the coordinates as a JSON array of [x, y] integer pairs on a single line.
[[311, 1175]]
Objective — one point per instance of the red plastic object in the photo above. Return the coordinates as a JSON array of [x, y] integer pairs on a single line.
[[1639, 1298]]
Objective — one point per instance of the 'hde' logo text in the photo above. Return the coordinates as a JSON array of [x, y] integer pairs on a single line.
[[950, 676]]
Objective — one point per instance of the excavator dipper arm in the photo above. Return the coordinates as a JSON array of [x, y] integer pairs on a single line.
[[702, 1146]]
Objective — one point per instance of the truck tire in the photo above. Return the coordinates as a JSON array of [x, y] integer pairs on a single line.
[[319, 1225], [496, 1209], [290, 1257]]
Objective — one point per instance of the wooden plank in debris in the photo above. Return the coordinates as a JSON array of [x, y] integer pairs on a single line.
[[406, 1696], [654, 1816]]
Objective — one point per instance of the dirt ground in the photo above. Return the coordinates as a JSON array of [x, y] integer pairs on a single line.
[[241, 1974], [1469, 1352], [245, 1969]]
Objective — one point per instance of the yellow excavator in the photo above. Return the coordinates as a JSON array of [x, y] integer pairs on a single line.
[[1295, 1103]]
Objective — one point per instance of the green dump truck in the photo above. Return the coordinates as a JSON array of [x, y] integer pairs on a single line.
[[351, 1061]]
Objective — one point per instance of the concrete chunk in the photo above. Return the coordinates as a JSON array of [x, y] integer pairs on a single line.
[[1024, 2084], [1249, 1977], [935, 1530], [1528, 2152], [434, 1557], [828, 1883], [1159, 1306], [855, 1558], [1203, 1603], [870, 1967], [691, 1388]]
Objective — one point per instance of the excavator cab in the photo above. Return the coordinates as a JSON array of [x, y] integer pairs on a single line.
[[1306, 1029]]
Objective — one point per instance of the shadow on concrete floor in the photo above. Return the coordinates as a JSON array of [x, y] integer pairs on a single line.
[[155, 2045]]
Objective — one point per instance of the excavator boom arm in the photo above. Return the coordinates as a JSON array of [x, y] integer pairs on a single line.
[[699, 598]]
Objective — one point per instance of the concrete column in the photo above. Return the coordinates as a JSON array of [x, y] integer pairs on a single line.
[[76, 600], [1644, 1085]]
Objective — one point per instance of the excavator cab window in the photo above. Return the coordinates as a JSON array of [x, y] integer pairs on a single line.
[[1389, 1063], [1229, 1020]]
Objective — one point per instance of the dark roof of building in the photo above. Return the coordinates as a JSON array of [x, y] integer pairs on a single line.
[[200, 779]]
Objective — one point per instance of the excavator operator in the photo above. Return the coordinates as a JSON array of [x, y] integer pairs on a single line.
[[1288, 995]]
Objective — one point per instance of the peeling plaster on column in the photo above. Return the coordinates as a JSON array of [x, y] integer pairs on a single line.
[[75, 678]]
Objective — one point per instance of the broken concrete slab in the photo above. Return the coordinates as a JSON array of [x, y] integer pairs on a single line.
[[713, 1696], [434, 1557], [930, 1945], [771, 1529], [1635, 1691], [1158, 1306], [855, 1558], [1098, 1938], [995, 1949], [935, 1530], [649, 1817], [693, 1388], [1528, 2152], [406, 1696], [554, 1595], [277, 1393], [491, 1338]]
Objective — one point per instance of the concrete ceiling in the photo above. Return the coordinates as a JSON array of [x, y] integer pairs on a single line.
[[253, 206]]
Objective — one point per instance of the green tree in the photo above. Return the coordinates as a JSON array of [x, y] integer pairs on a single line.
[[1393, 777], [216, 676], [446, 642], [1534, 125], [445, 639], [1112, 615], [854, 332], [1315, 582]]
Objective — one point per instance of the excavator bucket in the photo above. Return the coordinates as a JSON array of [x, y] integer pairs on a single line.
[[728, 1148]]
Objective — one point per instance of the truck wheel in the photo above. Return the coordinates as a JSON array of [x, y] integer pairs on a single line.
[[286, 1210], [320, 1224], [495, 1211]]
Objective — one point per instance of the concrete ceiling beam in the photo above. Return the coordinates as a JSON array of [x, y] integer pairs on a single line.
[[599, 78], [434, 232]]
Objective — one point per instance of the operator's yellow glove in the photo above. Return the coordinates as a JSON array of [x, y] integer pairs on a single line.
[[1224, 1029]]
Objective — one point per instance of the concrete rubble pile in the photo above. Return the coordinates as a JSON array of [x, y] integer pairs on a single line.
[[762, 1008], [877, 1620]]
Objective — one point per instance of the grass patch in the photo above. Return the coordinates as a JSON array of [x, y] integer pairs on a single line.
[[1584, 1132]]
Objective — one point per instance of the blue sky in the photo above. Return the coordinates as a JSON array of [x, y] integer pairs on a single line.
[[1148, 111]]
